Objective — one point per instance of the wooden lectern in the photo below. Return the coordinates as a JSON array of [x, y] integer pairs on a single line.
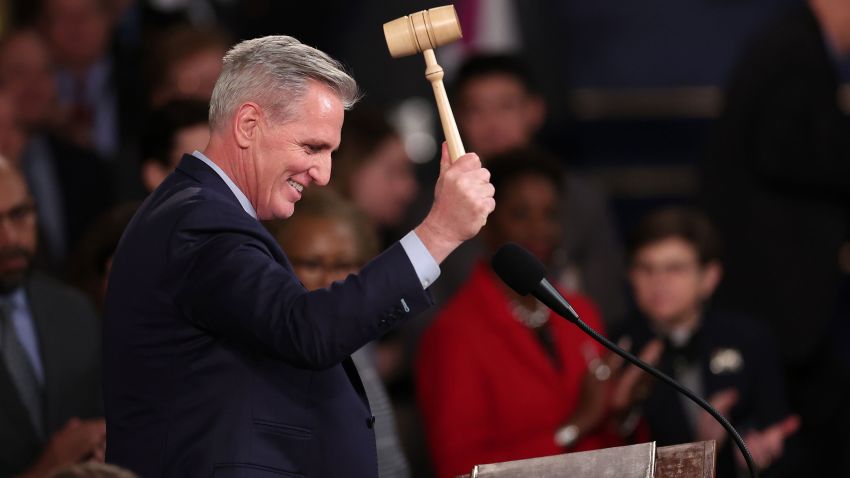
[[692, 460]]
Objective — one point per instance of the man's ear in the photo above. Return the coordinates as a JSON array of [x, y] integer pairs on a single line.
[[246, 124], [711, 275]]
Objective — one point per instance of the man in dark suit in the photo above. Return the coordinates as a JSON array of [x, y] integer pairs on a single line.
[[776, 182], [217, 361], [49, 353]]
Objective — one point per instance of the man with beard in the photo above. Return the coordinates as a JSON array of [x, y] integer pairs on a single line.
[[49, 352]]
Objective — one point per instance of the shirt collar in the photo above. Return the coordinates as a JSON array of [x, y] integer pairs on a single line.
[[240, 196]]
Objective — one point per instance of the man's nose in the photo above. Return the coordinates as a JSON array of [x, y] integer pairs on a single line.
[[321, 172]]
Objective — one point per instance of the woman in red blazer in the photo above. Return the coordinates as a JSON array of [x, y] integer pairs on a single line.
[[498, 375]]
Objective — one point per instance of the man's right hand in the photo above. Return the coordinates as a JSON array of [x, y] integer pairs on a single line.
[[77, 440], [463, 198]]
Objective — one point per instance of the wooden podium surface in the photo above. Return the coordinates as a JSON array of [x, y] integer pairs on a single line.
[[691, 460]]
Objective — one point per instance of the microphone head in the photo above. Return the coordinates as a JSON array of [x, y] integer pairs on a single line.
[[518, 268]]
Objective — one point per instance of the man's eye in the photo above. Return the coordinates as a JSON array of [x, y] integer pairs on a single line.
[[20, 213], [312, 149]]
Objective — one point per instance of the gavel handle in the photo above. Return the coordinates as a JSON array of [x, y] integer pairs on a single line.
[[434, 74]]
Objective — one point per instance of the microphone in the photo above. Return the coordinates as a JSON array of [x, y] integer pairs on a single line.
[[525, 274]]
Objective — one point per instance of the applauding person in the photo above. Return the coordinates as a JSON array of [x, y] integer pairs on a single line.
[[730, 359]]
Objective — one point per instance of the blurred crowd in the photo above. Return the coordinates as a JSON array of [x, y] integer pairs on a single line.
[[739, 289]]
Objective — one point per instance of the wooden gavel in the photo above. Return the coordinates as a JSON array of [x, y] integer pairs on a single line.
[[422, 32]]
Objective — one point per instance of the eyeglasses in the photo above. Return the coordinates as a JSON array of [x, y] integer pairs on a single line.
[[674, 268]]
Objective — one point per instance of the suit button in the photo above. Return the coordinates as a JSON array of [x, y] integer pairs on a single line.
[[370, 422]]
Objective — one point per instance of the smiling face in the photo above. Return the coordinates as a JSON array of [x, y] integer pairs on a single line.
[[286, 157]]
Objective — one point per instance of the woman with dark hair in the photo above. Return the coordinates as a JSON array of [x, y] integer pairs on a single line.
[[499, 376]]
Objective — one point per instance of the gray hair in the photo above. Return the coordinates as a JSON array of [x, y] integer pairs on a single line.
[[274, 71]]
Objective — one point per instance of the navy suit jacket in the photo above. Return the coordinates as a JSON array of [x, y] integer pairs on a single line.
[[217, 361]]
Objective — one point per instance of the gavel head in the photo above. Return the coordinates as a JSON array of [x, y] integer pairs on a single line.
[[422, 31]]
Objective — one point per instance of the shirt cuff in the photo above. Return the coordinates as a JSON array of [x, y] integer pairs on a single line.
[[424, 264]]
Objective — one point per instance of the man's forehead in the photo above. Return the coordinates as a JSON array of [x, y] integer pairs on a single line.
[[501, 82], [318, 102], [668, 247], [13, 189]]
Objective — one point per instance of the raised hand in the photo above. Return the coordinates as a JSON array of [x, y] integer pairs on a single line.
[[463, 198]]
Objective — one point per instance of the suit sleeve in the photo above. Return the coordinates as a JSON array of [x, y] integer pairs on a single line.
[[232, 286]]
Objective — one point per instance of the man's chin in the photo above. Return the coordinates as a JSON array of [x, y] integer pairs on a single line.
[[283, 211]]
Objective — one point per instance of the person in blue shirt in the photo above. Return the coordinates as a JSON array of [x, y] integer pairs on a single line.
[[50, 406]]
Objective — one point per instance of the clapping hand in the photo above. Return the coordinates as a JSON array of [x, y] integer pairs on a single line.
[[78, 440], [766, 445]]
